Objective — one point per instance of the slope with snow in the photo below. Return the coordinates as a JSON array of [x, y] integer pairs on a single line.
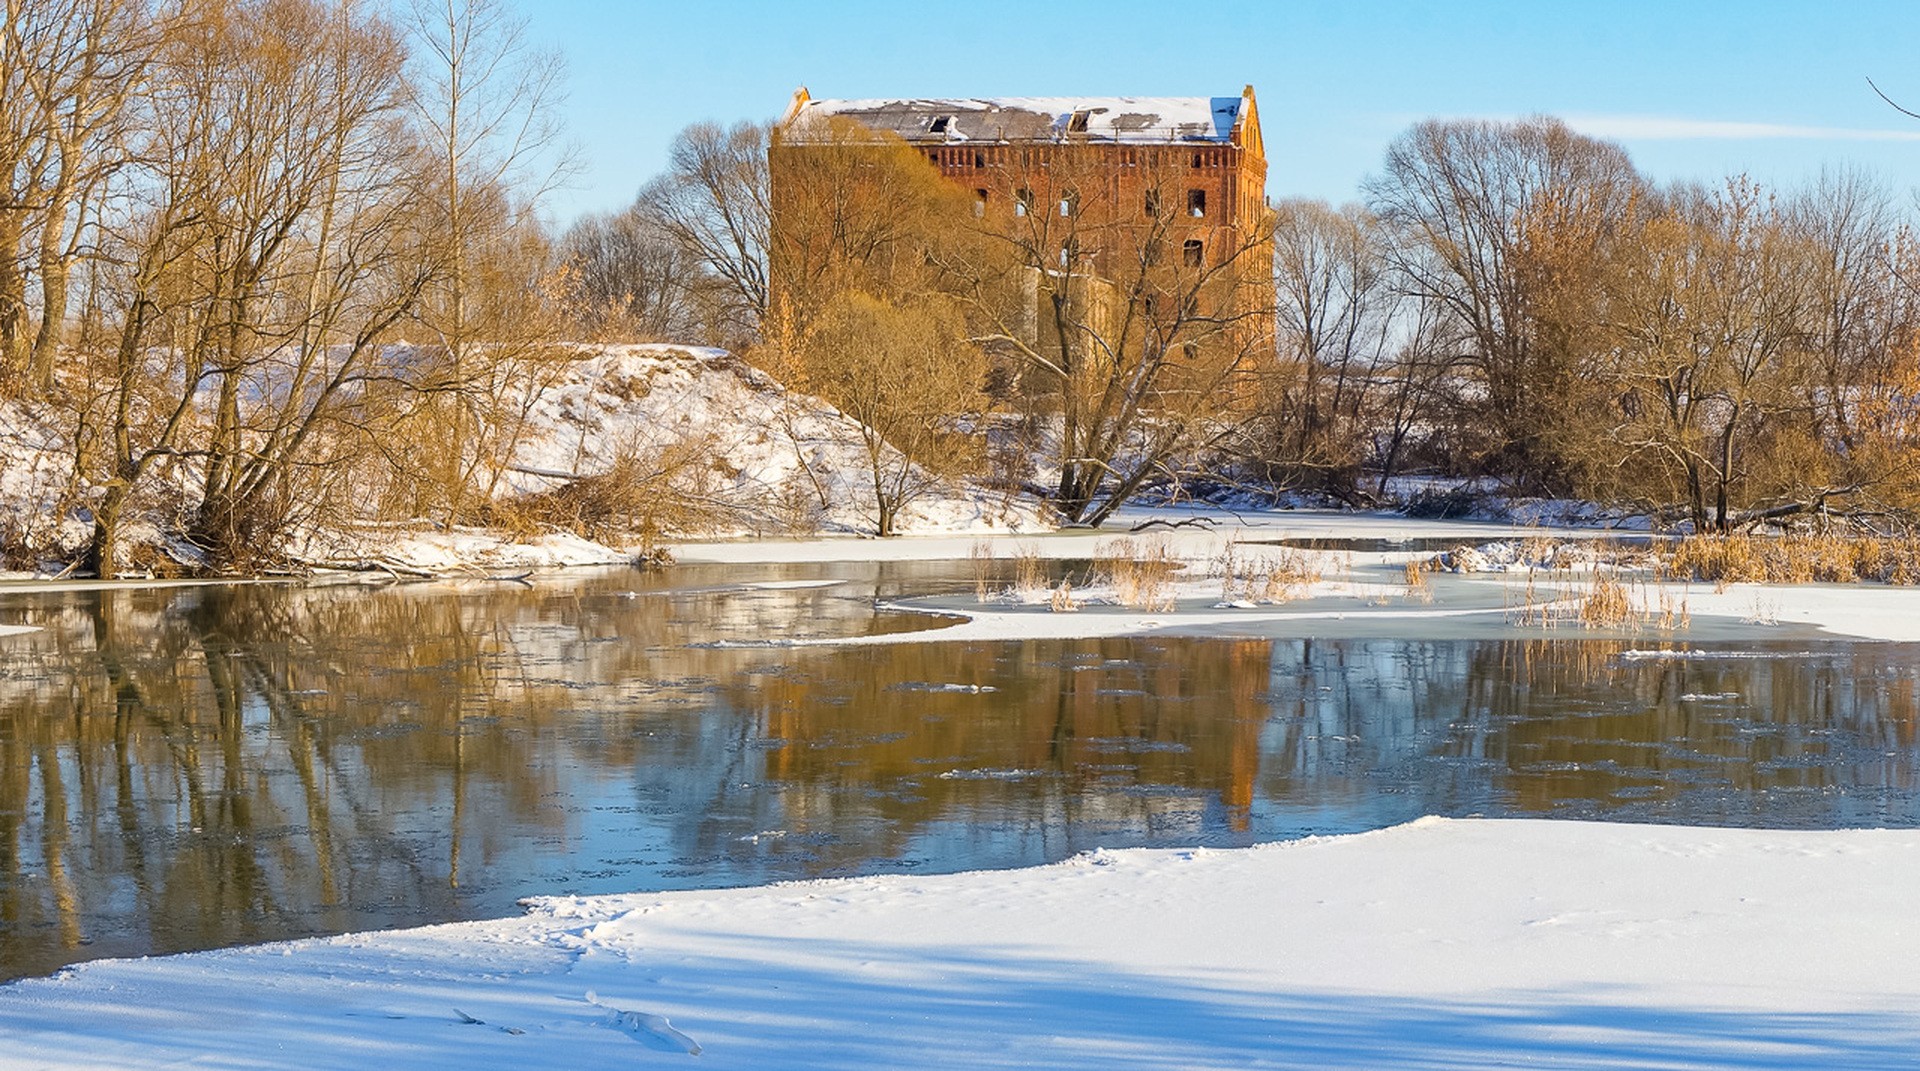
[[769, 457]]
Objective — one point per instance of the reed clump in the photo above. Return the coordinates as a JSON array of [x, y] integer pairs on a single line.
[[1419, 588], [980, 556], [1061, 601], [1029, 575], [1607, 604], [1141, 574], [1273, 578], [1795, 559]]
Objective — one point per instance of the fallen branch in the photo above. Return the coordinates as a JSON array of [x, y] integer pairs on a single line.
[[1188, 522]]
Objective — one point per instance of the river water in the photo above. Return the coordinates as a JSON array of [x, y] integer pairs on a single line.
[[195, 767]]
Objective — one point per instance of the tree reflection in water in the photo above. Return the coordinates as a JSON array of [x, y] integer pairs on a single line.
[[195, 767]]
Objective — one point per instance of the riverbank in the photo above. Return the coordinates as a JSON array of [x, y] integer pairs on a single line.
[[1438, 943]]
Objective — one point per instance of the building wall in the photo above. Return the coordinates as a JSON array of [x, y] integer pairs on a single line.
[[1111, 181]]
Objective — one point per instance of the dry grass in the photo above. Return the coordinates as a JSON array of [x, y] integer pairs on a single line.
[[1671, 613], [1141, 574], [980, 556], [1600, 600], [1419, 588], [1276, 577], [1029, 574], [1607, 604], [1795, 559], [1061, 601]]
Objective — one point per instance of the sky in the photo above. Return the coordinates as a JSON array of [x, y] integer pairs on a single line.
[[1695, 90]]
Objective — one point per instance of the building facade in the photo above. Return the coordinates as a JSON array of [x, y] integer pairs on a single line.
[[1119, 160]]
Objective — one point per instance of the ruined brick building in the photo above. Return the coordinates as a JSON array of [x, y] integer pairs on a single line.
[[1114, 184]]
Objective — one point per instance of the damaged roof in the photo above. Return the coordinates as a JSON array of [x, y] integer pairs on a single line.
[[1138, 120]]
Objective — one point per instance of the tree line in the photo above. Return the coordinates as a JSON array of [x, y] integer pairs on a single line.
[[1515, 301], [1511, 302]]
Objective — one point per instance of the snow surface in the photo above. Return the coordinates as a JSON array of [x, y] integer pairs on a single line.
[[1441, 943], [759, 442]]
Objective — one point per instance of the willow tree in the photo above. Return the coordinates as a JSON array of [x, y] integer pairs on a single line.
[[271, 240]]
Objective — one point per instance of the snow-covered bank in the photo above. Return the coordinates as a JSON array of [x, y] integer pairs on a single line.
[[691, 439], [1435, 944], [1194, 531]]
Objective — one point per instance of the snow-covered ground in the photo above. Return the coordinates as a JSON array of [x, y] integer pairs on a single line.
[[770, 458], [1455, 944]]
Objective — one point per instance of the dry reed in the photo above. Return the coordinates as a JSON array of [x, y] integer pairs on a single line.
[[1141, 575]]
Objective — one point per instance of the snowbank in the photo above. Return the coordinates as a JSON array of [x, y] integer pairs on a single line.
[[1438, 943], [436, 551], [770, 458], [36, 465]]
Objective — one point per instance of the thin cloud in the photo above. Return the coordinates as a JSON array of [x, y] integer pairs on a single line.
[[1664, 128]]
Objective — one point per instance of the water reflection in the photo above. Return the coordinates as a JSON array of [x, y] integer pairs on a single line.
[[195, 767]]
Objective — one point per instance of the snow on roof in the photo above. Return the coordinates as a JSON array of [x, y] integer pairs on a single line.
[[1143, 120]]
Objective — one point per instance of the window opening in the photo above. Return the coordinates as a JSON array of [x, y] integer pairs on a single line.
[[939, 124], [1197, 203], [1022, 201], [1077, 123], [1192, 251], [979, 202]]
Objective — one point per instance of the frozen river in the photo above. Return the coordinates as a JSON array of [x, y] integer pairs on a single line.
[[195, 767]]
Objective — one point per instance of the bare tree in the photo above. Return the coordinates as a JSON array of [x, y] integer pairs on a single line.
[[1337, 326], [627, 278], [273, 242], [484, 99], [78, 64], [1135, 328], [1468, 199], [905, 373], [715, 202], [1711, 317]]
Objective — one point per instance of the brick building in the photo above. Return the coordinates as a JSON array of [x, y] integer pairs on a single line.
[[1111, 182]]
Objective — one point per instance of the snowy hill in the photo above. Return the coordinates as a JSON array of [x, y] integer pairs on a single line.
[[690, 442], [766, 459]]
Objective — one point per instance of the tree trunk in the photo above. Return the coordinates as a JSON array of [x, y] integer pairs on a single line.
[[53, 316], [13, 297], [103, 552]]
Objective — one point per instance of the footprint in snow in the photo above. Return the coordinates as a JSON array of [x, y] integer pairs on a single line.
[[653, 1031], [467, 1020]]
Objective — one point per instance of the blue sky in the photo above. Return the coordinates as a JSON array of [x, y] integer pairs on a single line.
[[1692, 89]]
